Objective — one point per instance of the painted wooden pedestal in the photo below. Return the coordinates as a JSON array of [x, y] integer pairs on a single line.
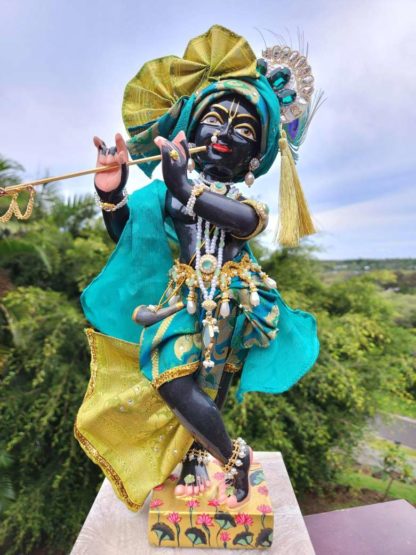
[[111, 529], [201, 521]]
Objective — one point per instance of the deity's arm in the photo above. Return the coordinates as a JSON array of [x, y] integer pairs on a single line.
[[243, 219], [110, 185], [114, 220]]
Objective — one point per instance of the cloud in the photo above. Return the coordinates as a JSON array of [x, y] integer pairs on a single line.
[[65, 83], [381, 226]]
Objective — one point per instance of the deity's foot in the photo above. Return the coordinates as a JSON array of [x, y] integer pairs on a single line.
[[194, 478], [234, 490]]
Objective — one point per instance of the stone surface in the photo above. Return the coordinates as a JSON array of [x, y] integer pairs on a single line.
[[381, 529], [112, 529]]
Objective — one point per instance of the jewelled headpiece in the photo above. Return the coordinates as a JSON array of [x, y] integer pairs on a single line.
[[290, 76]]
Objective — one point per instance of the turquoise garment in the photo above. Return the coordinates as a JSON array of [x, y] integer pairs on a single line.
[[136, 273]]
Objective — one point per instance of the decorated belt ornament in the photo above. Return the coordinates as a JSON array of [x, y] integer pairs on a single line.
[[185, 275]]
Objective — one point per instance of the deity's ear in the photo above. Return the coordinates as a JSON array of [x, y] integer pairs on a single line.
[[295, 220]]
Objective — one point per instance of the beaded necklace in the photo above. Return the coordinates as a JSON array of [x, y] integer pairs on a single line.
[[208, 265]]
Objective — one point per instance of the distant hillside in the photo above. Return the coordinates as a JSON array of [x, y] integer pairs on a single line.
[[369, 264], [393, 274]]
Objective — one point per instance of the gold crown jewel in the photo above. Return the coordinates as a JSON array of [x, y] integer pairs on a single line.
[[290, 76]]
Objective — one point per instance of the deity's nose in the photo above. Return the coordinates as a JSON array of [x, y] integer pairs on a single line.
[[226, 131]]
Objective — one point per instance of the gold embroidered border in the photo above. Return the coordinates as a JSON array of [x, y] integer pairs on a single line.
[[155, 364], [155, 353], [108, 470], [231, 368], [90, 333], [176, 372]]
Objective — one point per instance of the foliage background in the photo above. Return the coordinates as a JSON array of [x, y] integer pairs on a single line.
[[48, 484]]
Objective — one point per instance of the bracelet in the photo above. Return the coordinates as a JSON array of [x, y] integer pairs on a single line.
[[197, 191], [109, 206], [261, 210]]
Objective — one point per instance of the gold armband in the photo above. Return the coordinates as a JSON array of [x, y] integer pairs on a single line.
[[262, 212]]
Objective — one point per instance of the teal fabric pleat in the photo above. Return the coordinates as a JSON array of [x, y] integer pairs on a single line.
[[137, 273], [289, 356]]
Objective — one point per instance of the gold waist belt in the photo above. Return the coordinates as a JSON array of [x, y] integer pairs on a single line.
[[248, 271]]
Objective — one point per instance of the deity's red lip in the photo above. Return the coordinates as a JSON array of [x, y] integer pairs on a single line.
[[221, 148]]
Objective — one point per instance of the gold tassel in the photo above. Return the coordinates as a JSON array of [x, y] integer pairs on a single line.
[[295, 220]]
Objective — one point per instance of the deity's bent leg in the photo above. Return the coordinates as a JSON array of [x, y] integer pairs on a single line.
[[199, 414], [225, 384]]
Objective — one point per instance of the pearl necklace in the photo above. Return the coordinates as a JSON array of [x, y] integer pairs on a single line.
[[208, 268]]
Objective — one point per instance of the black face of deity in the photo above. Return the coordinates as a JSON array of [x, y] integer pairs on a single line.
[[235, 124]]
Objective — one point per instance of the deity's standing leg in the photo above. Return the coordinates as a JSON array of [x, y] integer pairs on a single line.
[[196, 469]]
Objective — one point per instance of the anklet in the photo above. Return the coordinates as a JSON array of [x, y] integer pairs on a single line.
[[239, 452], [200, 455]]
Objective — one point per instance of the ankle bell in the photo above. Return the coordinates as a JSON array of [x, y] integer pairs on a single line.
[[235, 461]]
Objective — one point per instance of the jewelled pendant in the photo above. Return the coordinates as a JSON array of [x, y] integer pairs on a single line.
[[209, 306], [225, 309], [219, 188], [210, 328], [207, 265], [206, 336]]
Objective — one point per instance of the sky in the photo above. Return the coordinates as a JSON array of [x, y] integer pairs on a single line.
[[65, 66]]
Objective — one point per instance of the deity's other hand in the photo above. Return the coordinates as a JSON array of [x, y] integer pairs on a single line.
[[175, 155], [116, 178]]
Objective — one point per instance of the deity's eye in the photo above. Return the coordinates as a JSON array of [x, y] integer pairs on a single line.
[[246, 130], [212, 119]]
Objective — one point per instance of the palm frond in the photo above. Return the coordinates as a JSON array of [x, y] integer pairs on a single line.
[[9, 170], [11, 248]]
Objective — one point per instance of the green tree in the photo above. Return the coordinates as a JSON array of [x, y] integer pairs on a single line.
[[43, 381], [7, 493], [9, 172], [318, 422], [44, 360], [396, 467]]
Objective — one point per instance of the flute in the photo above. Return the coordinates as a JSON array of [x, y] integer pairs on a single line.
[[11, 189]]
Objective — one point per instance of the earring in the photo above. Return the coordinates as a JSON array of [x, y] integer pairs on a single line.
[[214, 138], [191, 162], [249, 177]]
